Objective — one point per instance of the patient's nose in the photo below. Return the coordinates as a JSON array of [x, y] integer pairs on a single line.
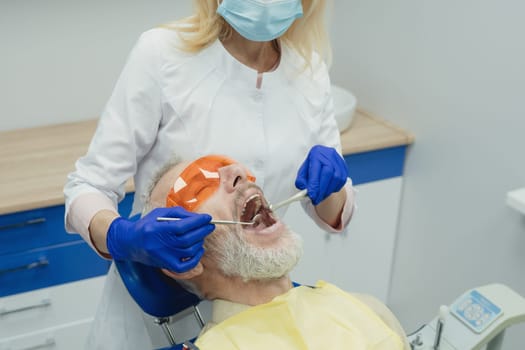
[[232, 176]]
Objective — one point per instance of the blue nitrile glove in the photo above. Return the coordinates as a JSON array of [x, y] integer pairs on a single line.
[[173, 245], [322, 173]]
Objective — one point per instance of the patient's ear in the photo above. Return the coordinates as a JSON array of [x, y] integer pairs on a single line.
[[196, 271]]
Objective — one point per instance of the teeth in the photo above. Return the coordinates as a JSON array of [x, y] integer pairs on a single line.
[[257, 220], [254, 197], [257, 202]]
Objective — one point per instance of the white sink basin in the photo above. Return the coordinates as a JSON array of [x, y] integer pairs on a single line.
[[345, 104]]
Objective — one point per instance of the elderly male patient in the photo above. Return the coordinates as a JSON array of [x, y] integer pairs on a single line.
[[245, 268]]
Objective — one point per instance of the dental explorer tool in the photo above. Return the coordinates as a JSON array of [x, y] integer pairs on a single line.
[[296, 197], [214, 221]]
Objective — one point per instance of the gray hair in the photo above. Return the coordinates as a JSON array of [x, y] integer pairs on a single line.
[[146, 196]]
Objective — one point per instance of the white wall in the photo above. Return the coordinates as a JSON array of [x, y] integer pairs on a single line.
[[450, 71], [453, 73], [60, 59]]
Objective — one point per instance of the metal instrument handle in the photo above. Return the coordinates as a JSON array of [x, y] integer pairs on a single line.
[[214, 221], [43, 303], [30, 266], [48, 343], [296, 197], [24, 223]]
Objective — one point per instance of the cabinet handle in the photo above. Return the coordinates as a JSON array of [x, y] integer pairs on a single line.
[[24, 223], [43, 303], [30, 266], [48, 343]]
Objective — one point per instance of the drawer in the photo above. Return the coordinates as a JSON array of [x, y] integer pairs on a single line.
[[32, 229], [49, 307], [66, 337], [41, 227], [376, 165], [49, 266]]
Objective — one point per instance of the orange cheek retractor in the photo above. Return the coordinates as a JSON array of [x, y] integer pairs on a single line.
[[198, 181]]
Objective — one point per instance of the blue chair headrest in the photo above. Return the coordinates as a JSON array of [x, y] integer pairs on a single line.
[[157, 294]]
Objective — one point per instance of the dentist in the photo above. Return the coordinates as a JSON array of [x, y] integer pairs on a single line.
[[246, 78]]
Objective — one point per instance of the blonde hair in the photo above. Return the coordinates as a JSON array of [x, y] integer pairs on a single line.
[[307, 34]]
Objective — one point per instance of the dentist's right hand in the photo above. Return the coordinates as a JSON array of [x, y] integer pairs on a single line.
[[173, 245]]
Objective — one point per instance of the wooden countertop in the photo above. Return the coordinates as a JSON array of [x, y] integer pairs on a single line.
[[370, 133], [34, 162]]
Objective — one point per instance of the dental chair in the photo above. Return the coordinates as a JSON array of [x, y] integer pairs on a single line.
[[159, 296], [162, 298], [476, 320]]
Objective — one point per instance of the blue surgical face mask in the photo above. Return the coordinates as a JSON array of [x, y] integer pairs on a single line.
[[260, 20]]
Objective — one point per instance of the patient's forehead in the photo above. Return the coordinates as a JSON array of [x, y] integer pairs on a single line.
[[163, 185]]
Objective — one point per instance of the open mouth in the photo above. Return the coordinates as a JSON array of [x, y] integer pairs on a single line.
[[256, 210]]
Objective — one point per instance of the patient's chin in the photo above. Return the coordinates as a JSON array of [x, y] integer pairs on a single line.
[[239, 256]]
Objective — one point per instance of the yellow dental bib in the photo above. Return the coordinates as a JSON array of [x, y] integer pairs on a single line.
[[324, 317]]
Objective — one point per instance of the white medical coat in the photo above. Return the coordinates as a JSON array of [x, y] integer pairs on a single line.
[[167, 101]]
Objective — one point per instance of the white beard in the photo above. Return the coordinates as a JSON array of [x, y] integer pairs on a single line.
[[236, 257]]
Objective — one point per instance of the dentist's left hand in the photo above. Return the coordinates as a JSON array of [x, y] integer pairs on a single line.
[[322, 173], [173, 245]]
